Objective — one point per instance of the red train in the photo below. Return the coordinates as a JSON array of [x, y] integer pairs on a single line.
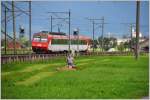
[[45, 42]]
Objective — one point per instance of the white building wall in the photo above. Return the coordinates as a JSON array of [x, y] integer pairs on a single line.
[[134, 33]]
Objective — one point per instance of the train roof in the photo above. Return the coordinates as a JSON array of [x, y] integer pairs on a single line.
[[71, 37], [61, 35], [57, 33], [53, 33]]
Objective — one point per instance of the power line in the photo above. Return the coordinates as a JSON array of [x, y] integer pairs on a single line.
[[131, 37], [93, 22], [63, 18], [13, 10]]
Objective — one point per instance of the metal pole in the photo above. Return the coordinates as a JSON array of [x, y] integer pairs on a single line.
[[51, 23], [137, 29], [102, 32], [69, 32], [131, 40], [29, 24], [14, 28], [5, 31], [78, 41], [93, 36]]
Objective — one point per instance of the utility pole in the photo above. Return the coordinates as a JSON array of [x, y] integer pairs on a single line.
[[102, 32], [93, 35], [137, 29], [131, 27], [51, 23], [14, 28], [78, 40], [69, 31], [29, 24], [5, 30]]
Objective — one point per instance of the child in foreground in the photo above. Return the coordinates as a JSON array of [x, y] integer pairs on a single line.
[[70, 61]]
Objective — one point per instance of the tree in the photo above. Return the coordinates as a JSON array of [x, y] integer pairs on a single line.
[[126, 45], [94, 44], [24, 41], [108, 42], [121, 46], [2, 43]]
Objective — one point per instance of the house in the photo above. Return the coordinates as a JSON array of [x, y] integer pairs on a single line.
[[122, 40], [10, 45]]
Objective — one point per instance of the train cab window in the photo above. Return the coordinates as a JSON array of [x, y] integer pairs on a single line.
[[43, 39], [36, 39], [40, 38]]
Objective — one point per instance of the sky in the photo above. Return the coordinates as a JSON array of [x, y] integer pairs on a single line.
[[115, 13]]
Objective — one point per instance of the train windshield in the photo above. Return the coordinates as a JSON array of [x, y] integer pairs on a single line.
[[36, 38], [43, 39], [40, 38]]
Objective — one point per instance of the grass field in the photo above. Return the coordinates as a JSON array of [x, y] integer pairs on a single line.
[[97, 77]]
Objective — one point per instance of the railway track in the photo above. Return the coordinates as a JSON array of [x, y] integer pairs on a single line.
[[32, 57]]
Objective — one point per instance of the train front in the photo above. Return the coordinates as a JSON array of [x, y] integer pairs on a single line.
[[40, 43]]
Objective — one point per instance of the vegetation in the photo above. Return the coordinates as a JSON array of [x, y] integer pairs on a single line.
[[120, 47], [96, 77], [111, 42], [107, 43], [24, 41]]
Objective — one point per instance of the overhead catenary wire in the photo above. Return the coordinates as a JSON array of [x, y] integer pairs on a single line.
[[69, 23], [16, 12]]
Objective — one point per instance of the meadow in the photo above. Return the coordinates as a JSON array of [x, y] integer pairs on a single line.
[[96, 77]]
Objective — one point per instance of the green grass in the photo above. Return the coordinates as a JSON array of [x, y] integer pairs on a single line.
[[97, 77]]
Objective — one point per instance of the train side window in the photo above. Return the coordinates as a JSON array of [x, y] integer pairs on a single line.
[[74, 41], [55, 41], [65, 41]]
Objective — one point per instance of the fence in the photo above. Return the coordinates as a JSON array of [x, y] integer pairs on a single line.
[[43, 57], [18, 51], [32, 57]]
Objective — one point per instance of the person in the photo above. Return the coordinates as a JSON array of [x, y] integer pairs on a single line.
[[70, 61]]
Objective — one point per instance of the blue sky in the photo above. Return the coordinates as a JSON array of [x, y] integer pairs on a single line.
[[115, 13]]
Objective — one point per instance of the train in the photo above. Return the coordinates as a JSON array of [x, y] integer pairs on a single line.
[[48, 42]]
